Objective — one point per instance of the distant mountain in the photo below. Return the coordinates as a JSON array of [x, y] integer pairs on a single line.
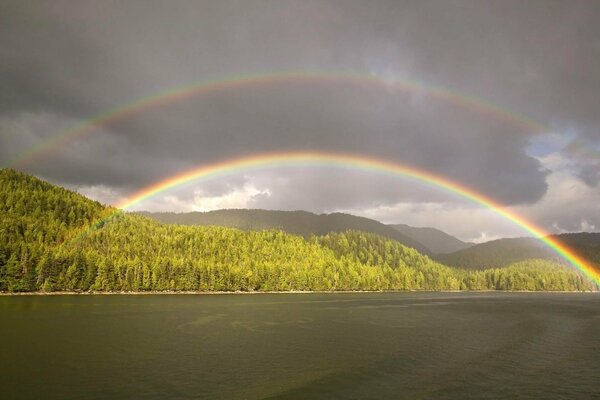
[[585, 244], [437, 241], [297, 222], [502, 252]]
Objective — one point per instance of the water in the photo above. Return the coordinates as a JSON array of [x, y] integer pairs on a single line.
[[301, 346]]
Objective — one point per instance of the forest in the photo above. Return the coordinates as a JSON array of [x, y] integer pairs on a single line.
[[53, 239]]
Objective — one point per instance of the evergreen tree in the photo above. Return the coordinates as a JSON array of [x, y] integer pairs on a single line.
[[55, 240]]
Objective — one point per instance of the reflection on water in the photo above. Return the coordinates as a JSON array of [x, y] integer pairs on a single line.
[[299, 346]]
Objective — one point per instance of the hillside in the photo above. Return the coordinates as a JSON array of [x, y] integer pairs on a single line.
[[301, 223], [436, 241], [56, 240], [502, 252], [585, 244]]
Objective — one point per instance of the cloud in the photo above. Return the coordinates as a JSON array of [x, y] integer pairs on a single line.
[[469, 223], [570, 204], [584, 158], [235, 198], [536, 60], [101, 193]]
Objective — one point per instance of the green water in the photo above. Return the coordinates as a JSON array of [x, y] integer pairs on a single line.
[[301, 346]]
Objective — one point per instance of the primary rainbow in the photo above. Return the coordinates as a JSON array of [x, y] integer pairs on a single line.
[[360, 162], [142, 104]]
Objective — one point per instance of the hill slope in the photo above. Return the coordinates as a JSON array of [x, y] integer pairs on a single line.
[[53, 239], [436, 241], [502, 252], [301, 223]]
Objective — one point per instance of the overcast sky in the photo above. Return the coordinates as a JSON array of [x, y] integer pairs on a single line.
[[63, 62]]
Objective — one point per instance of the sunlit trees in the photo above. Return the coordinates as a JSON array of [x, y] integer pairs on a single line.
[[53, 239]]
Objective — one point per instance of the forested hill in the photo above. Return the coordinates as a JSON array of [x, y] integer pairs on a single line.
[[56, 240], [503, 252], [297, 222], [436, 241]]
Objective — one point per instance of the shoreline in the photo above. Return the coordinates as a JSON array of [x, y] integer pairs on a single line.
[[172, 292]]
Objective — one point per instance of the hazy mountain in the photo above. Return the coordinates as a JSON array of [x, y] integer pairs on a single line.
[[502, 252], [437, 241], [298, 222]]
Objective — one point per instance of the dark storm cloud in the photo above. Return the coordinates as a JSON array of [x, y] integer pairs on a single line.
[[74, 59]]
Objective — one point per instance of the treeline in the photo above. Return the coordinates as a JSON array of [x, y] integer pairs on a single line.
[[46, 243]]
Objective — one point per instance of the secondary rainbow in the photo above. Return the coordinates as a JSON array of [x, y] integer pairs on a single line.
[[286, 159], [139, 105]]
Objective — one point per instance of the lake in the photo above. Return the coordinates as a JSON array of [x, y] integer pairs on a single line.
[[301, 346]]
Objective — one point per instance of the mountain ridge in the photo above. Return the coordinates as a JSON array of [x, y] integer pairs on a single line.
[[54, 239], [303, 223], [501, 252], [436, 240]]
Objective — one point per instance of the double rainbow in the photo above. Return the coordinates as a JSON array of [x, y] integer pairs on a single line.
[[140, 105]]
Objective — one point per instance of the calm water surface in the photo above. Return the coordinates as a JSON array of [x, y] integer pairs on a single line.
[[301, 346]]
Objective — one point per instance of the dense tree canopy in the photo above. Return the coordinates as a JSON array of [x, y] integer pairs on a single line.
[[52, 239]]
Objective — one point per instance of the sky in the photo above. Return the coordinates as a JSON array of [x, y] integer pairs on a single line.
[[64, 62]]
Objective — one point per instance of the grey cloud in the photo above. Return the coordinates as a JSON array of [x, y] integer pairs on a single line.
[[75, 59], [331, 189], [570, 206], [584, 160], [590, 174], [317, 117]]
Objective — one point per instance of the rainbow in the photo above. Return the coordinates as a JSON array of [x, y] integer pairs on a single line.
[[291, 159], [180, 93]]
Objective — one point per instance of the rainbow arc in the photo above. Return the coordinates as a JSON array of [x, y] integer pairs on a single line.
[[358, 162], [63, 139]]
